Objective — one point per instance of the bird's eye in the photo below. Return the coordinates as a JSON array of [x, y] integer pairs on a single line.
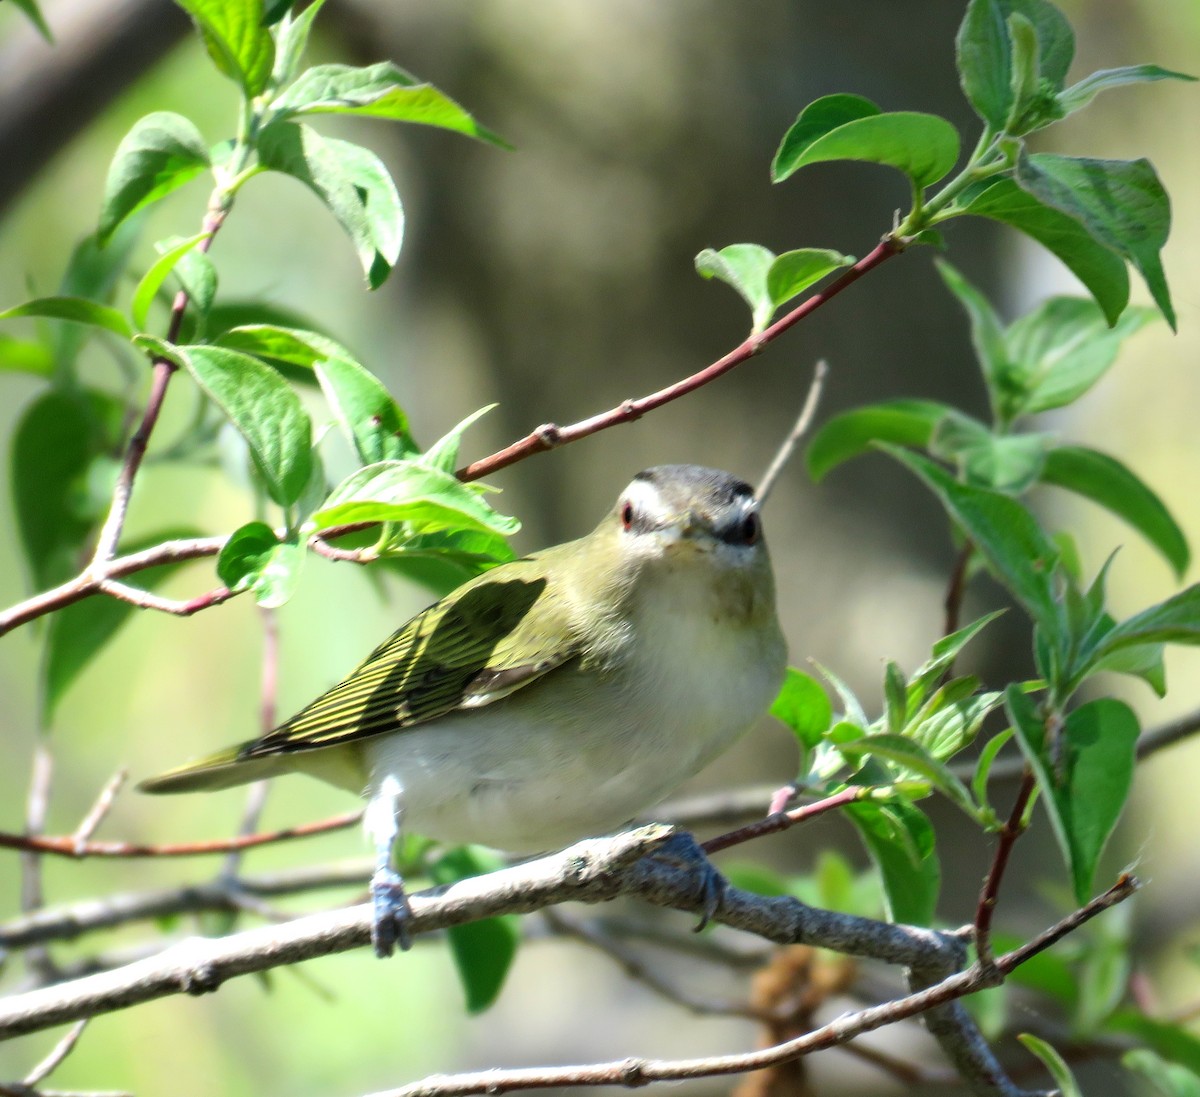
[[750, 529], [627, 516]]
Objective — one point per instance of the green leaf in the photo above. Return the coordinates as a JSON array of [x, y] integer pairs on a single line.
[[410, 491], [378, 91], [443, 454], [159, 154], [1168, 1079], [353, 184], [985, 53], [987, 334], [34, 14], [80, 631], [294, 346], [265, 411], [910, 758], [1171, 1041], [895, 696], [1106, 481], [484, 950], [943, 654], [152, 280], [237, 39], [1081, 94], [56, 442], [745, 268], [1086, 775], [817, 119], [255, 559], [1121, 203], [900, 842], [372, 421], [444, 560], [794, 271], [198, 278], [1010, 463], [1097, 266], [1175, 621], [1055, 1063], [25, 356], [1004, 531], [901, 422], [983, 767], [76, 309], [923, 146], [291, 40], [1063, 347], [803, 705], [949, 724]]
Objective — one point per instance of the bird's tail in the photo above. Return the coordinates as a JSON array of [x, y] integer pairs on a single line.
[[225, 769]]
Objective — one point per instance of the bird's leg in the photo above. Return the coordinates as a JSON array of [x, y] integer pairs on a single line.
[[389, 926], [682, 851]]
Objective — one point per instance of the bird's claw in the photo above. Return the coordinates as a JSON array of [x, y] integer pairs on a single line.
[[391, 913], [683, 850]]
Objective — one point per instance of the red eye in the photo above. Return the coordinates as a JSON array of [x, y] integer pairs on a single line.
[[750, 529], [627, 515]]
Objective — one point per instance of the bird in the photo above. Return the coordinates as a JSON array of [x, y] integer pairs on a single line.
[[553, 697]]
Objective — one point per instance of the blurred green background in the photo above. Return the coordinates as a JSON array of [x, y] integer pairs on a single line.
[[557, 281]]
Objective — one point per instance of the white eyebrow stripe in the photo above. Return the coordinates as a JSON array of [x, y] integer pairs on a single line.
[[645, 499]]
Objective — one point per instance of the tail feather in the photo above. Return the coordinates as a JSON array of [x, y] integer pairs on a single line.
[[225, 769]]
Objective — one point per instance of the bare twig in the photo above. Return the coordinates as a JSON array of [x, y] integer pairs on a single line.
[[58, 1053], [637, 1072], [144, 599], [37, 805], [98, 810], [803, 422], [955, 590], [551, 436], [782, 820], [67, 847], [1013, 828]]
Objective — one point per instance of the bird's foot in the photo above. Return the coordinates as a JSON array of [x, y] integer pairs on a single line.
[[392, 914], [683, 851]]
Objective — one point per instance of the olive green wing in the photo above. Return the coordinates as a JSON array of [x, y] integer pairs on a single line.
[[483, 641]]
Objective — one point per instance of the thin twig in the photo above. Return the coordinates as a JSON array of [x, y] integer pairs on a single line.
[[144, 599], [550, 436], [803, 422], [1013, 828], [58, 1053], [782, 820], [955, 590], [67, 847], [101, 807], [37, 806]]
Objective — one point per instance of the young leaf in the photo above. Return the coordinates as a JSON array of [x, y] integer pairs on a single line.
[[255, 559], [198, 277], [794, 271], [1168, 1079], [987, 335], [745, 268], [1121, 203], [378, 91], [80, 631], [1175, 621], [291, 40], [1096, 265], [34, 14], [353, 184], [1086, 775], [410, 491], [76, 309], [279, 343], [483, 951], [1004, 462], [922, 146], [817, 119], [265, 411], [910, 758], [25, 356], [1081, 94], [443, 454], [1106, 481], [237, 39], [1063, 347], [1055, 1064], [804, 706], [162, 152], [1009, 537], [372, 421], [983, 767], [944, 652], [949, 724], [899, 840], [151, 282], [901, 422]]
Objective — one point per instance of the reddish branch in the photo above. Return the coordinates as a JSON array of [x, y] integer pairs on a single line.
[[782, 820], [68, 846], [1011, 831]]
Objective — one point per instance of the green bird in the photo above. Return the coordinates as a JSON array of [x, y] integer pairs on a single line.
[[552, 698]]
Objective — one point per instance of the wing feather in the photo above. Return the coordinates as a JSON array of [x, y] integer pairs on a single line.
[[470, 649]]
